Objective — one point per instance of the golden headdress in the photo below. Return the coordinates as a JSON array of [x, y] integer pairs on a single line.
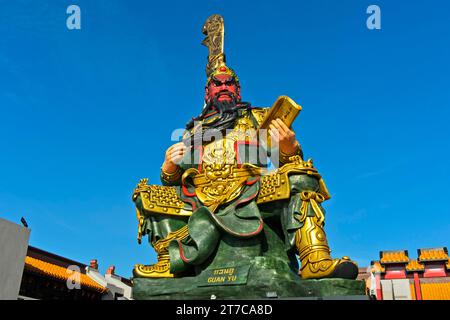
[[214, 30]]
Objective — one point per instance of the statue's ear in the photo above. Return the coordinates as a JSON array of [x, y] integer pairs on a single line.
[[206, 93]]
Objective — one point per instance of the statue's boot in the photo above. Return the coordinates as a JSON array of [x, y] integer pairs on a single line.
[[160, 269], [314, 253]]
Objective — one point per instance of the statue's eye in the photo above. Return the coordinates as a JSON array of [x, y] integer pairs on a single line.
[[217, 83], [230, 83]]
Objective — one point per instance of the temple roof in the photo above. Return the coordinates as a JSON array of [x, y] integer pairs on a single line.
[[400, 256], [433, 254], [414, 265], [60, 273], [377, 267]]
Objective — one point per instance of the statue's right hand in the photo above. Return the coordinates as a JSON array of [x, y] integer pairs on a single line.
[[173, 157]]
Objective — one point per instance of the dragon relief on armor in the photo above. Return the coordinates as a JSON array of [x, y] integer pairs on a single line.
[[217, 184]]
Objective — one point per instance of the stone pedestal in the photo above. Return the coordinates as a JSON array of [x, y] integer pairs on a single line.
[[255, 268], [261, 283]]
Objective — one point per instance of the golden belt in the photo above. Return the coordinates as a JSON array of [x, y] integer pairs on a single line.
[[220, 184]]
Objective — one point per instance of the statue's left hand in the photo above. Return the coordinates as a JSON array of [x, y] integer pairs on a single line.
[[285, 136]]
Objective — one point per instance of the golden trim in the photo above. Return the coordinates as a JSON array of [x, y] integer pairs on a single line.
[[161, 246], [314, 252], [220, 184], [140, 218], [161, 269], [171, 177], [286, 158], [164, 200], [276, 186], [273, 187], [259, 114], [313, 198], [160, 199]]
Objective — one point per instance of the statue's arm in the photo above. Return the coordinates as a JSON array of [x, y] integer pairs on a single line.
[[171, 170], [171, 179], [283, 158]]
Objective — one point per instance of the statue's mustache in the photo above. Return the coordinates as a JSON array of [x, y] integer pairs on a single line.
[[225, 92]]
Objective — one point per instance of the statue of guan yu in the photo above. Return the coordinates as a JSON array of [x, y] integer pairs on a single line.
[[239, 212]]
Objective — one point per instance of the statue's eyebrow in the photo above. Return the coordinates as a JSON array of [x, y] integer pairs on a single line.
[[216, 81], [228, 81]]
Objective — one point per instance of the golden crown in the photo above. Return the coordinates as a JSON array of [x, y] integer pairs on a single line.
[[223, 70], [214, 31]]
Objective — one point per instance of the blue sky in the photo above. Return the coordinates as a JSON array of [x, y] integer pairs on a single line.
[[86, 113]]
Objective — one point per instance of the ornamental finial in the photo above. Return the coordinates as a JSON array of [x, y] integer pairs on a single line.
[[214, 31]]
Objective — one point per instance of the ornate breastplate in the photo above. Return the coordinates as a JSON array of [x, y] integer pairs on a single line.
[[221, 179]]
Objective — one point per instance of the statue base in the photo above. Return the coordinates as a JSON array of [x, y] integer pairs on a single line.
[[255, 268], [257, 281]]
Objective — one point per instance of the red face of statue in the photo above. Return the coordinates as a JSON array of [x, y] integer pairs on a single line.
[[222, 85]]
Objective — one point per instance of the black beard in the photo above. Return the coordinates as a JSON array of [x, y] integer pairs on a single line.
[[228, 113]]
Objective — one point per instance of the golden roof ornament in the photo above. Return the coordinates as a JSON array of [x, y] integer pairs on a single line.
[[214, 31]]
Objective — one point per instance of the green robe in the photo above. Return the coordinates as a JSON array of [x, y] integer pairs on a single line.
[[242, 218]]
